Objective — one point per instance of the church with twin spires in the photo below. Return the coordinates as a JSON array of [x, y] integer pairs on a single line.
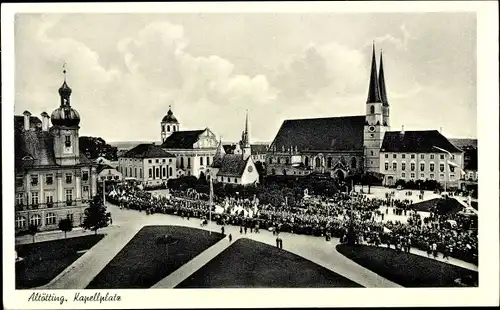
[[352, 145]]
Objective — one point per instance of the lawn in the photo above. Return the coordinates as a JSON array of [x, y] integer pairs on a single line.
[[408, 270], [43, 261], [428, 205], [252, 264], [143, 261]]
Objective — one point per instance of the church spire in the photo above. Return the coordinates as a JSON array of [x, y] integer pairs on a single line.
[[245, 141], [381, 81], [373, 90], [219, 154]]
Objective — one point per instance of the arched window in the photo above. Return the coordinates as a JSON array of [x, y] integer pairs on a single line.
[[372, 110], [170, 170], [140, 173], [318, 162], [50, 218], [273, 171], [371, 153], [270, 160], [157, 175], [150, 173], [201, 161], [135, 172], [173, 128], [189, 162], [20, 222], [182, 162], [353, 163], [162, 127], [284, 171], [36, 220], [306, 161], [278, 160], [164, 172], [329, 162], [168, 128], [208, 160], [130, 171]]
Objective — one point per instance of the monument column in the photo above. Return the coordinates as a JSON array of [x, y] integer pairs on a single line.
[[93, 177], [78, 184]]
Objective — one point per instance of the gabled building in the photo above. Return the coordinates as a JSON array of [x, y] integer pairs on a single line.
[[194, 149], [237, 167], [148, 164], [106, 173], [53, 179]]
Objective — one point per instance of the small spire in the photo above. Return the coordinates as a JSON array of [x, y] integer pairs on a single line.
[[373, 90], [64, 71], [381, 81]]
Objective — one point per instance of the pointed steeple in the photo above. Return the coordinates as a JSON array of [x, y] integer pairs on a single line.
[[219, 154], [373, 90], [381, 82], [245, 141]]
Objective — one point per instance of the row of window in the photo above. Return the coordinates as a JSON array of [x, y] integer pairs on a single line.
[[49, 178], [228, 180], [422, 156], [49, 196], [36, 219], [168, 128], [317, 162], [110, 178], [422, 167], [431, 176]]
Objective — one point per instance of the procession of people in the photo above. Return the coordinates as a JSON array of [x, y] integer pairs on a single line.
[[321, 217]]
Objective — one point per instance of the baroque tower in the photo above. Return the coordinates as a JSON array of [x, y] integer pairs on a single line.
[[169, 124], [377, 118], [65, 121]]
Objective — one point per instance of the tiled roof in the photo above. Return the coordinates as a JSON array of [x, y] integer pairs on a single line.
[[38, 145], [232, 165], [417, 142], [19, 122], [321, 134], [182, 139], [147, 151], [373, 88], [464, 143], [104, 167]]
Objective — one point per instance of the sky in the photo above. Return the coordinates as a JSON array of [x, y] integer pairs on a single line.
[[127, 69]]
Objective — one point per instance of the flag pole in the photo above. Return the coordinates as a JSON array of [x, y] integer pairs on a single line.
[[210, 204], [104, 191]]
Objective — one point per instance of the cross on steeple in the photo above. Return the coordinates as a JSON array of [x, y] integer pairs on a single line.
[[64, 71]]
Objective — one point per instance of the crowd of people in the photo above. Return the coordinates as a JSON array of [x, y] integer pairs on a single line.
[[322, 217]]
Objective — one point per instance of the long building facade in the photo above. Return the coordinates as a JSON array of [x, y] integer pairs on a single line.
[[350, 145], [53, 179]]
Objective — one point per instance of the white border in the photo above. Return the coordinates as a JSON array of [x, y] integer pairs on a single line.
[[487, 98]]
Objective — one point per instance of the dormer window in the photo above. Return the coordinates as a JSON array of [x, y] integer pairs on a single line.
[[67, 141]]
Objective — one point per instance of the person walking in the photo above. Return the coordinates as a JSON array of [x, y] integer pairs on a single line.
[[245, 230], [241, 230], [230, 238], [281, 244], [222, 230], [278, 242]]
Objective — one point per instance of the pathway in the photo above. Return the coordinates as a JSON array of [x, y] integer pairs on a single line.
[[79, 274], [193, 265], [315, 249]]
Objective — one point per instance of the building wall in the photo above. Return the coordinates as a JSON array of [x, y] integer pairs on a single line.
[[281, 163], [64, 197], [193, 161], [161, 169], [110, 175], [425, 159]]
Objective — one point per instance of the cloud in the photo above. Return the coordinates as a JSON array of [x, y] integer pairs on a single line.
[[401, 43]]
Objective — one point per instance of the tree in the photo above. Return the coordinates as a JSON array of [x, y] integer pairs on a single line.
[[66, 225], [95, 215], [166, 240], [94, 148], [33, 230]]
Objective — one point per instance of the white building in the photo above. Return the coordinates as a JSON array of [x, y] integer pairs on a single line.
[[194, 149], [148, 164], [416, 155], [108, 173]]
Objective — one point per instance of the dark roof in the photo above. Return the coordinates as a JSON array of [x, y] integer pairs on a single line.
[[147, 150], [170, 118], [416, 142], [470, 159], [373, 88], [19, 122], [182, 139], [38, 145], [104, 167], [464, 143], [232, 165], [321, 134]]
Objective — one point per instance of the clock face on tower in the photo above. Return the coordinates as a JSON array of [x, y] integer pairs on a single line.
[[371, 128], [250, 168], [68, 149]]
